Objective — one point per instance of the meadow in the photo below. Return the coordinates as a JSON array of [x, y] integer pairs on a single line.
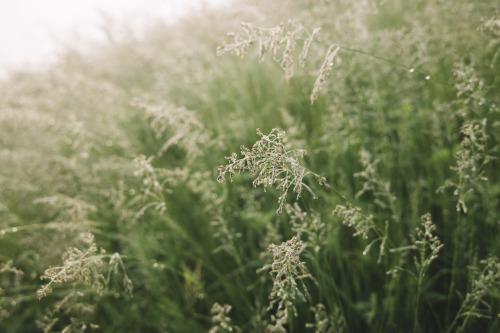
[[283, 166]]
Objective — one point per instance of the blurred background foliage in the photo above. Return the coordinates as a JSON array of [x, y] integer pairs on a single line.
[[124, 143]]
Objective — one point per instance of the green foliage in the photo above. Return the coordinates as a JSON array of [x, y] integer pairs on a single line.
[[108, 175]]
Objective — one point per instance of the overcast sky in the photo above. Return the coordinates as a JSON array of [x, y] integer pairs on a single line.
[[31, 30]]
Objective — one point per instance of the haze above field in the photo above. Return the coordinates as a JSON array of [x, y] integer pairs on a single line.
[[32, 32]]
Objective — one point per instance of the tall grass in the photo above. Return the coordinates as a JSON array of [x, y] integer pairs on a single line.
[[385, 112]]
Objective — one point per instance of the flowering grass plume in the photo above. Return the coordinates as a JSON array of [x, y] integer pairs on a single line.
[[279, 41], [471, 160], [325, 322], [307, 226], [373, 183], [175, 126], [363, 225], [221, 320], [324, 71], [428, 245], [272, 165], [72, 307], [86, 267], [474, 304], [286, 270], [353, 218]]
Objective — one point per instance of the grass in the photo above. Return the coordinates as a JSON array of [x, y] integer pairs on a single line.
[[110, 162]]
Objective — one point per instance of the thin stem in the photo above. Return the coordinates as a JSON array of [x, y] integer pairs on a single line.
[[387, 60], [417, 305]]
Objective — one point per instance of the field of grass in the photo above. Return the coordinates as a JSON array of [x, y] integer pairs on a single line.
[[284, 166]]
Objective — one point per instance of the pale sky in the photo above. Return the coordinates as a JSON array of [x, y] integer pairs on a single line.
[[32, 31]]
